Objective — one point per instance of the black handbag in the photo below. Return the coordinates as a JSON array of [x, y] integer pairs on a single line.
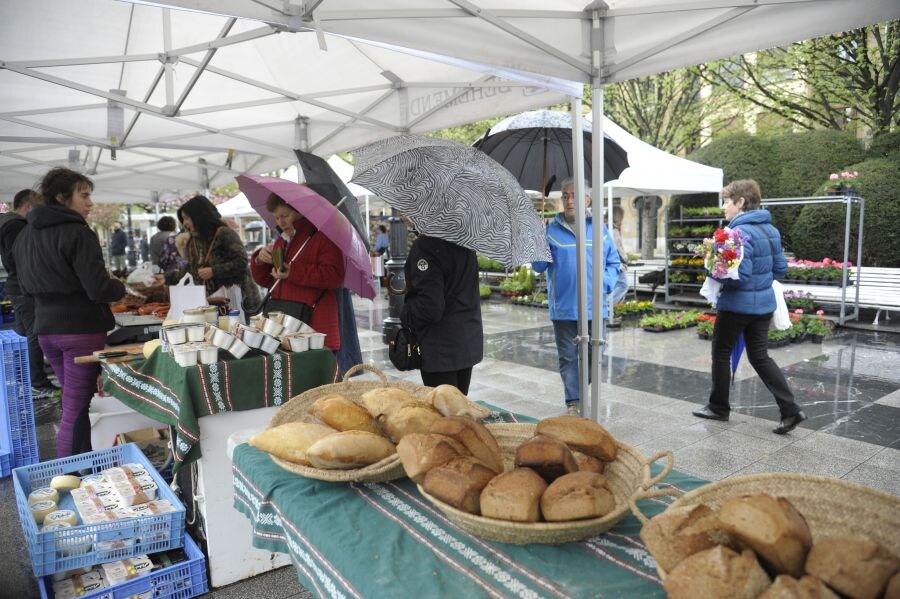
[[404, 351]]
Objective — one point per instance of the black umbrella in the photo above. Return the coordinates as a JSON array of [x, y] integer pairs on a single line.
[[536, 147], [324, 181]]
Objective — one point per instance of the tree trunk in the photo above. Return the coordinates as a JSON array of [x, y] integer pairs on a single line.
[[649, 208]]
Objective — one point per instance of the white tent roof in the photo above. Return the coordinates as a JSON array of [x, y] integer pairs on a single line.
[[198, 85], [653, 172]]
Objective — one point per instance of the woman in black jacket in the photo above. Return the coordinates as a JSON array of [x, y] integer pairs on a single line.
[[60, 264], [443, 309]]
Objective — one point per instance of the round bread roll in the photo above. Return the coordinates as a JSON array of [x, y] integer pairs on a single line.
[[514, 495], [384, 400], [588, 463], [291, 440], [582, 434], [717, 573], [420, 452], [547, 456], [577, 496], [349, 449], [475, 436], [892, 591], [416, 418], [459, 483], [341, 414], [772, 527], [788, 587], [450, 401], [681, 532], [855, 566]]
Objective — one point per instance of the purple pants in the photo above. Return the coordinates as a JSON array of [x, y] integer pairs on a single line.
[[78, 382]]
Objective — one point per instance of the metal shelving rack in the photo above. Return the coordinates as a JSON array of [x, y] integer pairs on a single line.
[[685, 292]]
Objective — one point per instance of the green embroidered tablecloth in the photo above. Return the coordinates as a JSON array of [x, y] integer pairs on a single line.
[[386, 540], [161, 389]]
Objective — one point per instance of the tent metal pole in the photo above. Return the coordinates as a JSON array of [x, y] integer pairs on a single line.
[[598, 328], [581, 339]]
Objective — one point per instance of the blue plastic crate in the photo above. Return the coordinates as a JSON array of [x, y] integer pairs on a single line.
[[17, 410], [5, 463], [76, 547], [181, 581]]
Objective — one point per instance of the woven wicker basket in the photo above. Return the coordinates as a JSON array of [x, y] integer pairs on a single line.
[[299, 408], [628, 476], [830, 506]]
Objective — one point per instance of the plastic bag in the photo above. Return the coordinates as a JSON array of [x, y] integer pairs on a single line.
[[143, 274], [781, 318]]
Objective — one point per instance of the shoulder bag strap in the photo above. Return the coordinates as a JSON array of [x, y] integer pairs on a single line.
[[211, 244]]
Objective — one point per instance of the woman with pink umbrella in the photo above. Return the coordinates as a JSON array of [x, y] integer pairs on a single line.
[[302, 269]]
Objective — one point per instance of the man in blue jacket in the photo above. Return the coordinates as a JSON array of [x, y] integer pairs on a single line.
[[562, 292]]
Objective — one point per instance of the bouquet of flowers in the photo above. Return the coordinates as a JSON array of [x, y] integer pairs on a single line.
[[722, 255]]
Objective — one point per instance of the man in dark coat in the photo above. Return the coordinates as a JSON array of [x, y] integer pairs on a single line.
[[117, 246], [443, 310], [11, 224]]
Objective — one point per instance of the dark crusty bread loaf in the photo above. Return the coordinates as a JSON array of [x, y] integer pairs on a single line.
[[717, 573], [577, 496], [475, 436], [514, 495], [772, 527], [788, 587], [855, 566], [459, 483], [681, 532], [582, 434], [420, 452], [549, 457]]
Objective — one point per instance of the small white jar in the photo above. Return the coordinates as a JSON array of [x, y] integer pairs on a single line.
[[195, 332], [272, 328], [208, 354], [269, 344], [186, 357], [176, 335], [299, 342], [222, 338], [316, 340], [291, 324], [251, 336], [238, 349]]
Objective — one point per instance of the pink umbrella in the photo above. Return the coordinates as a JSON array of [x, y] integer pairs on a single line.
[[326, 218]]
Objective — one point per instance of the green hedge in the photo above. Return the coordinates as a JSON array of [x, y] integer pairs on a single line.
[[885, 145]]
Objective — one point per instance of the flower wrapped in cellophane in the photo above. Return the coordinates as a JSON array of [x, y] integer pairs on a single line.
[[722, 255]]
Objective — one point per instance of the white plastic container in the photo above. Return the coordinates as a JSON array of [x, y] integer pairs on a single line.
[[269, 344], [291, 324], [176, 335], [251, 336], [305, 328], [222, 339], [195, 332], [272, 328], [316, 340], [277, 316], [201, 315], [299, 342], [208, 354], [238, 349], [185, 357]]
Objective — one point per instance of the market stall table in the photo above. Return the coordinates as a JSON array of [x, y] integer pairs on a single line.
[[385, 539], [206, 404]]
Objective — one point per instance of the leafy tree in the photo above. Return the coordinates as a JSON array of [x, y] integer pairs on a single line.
[[831, 82]]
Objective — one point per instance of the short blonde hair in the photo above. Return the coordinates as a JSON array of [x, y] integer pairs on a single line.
[[744, 188]]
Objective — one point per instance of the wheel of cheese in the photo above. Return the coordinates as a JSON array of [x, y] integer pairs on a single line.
[[43, 494], [40, 509], [65, 483], [67, 516]]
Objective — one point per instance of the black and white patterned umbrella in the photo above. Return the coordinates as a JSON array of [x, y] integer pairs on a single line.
[[456, 193]]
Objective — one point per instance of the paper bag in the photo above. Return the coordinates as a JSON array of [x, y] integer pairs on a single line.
[[235, 297], [184, 295]]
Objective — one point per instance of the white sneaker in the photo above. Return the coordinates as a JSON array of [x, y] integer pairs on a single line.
[[573, 409]]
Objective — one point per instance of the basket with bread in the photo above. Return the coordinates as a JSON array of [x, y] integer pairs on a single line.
[[778, 535], [348, 432], [564, 479]]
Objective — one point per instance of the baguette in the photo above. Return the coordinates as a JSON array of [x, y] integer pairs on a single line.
[[406, 419], [450, 401], [291, 440], [349, 449], [341, 414]]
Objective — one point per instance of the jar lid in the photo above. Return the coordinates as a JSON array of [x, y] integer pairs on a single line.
[[234, 313]]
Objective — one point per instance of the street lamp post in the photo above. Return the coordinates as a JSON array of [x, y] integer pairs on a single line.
[[395, 275]]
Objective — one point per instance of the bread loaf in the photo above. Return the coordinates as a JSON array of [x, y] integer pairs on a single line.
[[450, 401], [411, 418], [420, 452], [290, 441], [341, 414], [588, 463], [788, 587], [475, 436], [384, 400], [459, 483], [857, 567], [717, 573], [514, 495], [582, 434], [547, 456], [772, 527], [681, 532], [892, 591], [577, 496], [349, 449]]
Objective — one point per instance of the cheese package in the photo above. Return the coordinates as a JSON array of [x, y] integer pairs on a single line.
[[57, 576], [78, 585], [43, 494], [131, 492], [153, 508], [92, 479], [119, 571], [67, 516], [40, 509], [105, 547]]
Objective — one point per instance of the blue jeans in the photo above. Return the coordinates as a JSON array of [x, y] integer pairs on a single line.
[[620, 290], [565, 332]]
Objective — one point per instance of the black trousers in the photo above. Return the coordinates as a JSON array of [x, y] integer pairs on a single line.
[[458, 378], [756, 336], [24, 310]]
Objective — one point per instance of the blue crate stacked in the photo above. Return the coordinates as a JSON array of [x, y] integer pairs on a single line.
[[17, 432]]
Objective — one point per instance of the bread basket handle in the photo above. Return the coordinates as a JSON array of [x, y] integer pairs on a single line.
[[670, 463], [647, 494], [354, 369]]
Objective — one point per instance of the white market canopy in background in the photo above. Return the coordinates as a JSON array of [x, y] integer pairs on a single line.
[[197, 86]]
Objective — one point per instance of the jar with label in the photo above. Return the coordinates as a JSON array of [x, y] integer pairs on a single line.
[[234, 319]]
